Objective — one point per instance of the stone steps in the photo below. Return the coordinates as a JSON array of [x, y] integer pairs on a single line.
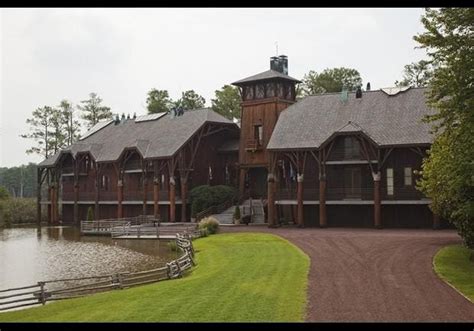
[[227, 216]]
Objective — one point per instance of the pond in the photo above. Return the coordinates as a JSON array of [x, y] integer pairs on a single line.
[[29, 255]]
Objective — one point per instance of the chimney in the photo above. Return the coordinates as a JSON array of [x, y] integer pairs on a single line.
[[344, 94], [368, 87], [123, 118], [284, 64], [117, 119], [279, 63], [128, 116], [275, 63], [134, 115], [358, 93]]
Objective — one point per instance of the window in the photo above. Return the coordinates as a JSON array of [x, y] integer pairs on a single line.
[[351, 148], [104, 183], [280, 90], [270, 90], [248, 92], [288, 92], [258, 133], [260, 91], [389, 181], [407, 176]]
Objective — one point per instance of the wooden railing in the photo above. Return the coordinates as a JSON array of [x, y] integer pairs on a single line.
[[106, 226], [217, 209], [61, 289]]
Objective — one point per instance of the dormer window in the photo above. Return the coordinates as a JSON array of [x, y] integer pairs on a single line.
[[351, 148]]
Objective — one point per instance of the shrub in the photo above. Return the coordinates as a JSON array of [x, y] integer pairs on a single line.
[[205, 196], [210, 224], [237, 213], [204, 232], [90, 214], [17, 211], [172, 245]]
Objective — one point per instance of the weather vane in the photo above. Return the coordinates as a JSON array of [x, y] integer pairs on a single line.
[[276, 46]]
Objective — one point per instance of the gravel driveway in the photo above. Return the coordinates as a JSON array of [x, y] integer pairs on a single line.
[[375, 275]]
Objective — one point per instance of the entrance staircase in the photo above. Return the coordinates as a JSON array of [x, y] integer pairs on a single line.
[[253, 207]]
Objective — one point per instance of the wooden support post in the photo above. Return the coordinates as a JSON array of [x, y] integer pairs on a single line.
[[119, 199], [184, 191], [299, 198], [156, 197], [271, 200], [377, 201], [50, 205], [145, 189], [76, 207], [241, 182], [53, 204], [39, 174], [436, 222], [322, 202], [97, 194], [172, 199]]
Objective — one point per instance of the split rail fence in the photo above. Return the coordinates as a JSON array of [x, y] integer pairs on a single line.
[[60, 289]]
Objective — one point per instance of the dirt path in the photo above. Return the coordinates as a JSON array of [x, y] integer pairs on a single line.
[[375, 275]]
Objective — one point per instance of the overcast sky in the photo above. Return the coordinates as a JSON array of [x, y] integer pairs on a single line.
[[51, 54]]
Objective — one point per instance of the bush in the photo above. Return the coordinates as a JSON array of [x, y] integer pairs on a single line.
[[237, 214], [18, 211], [172, 245], [90, 214], [205, 196], [204, 232], [210, 224]]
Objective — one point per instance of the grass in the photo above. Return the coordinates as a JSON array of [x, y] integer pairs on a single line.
[[238, 277], [453, 265]]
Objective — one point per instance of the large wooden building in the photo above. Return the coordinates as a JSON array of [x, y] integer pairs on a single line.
[[336, 159]]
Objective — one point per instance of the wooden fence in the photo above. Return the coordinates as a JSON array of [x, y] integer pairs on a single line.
[[61, 289], [106, 226]]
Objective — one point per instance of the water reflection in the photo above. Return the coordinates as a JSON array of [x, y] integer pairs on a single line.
[[28, 255]]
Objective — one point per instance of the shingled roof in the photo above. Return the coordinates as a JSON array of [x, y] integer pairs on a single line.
[[160, 138], [387, 120], [266, 75]]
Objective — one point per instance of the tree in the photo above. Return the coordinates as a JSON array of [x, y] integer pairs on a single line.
[[19, 181], [330, 80], [158, 101], [58, 135], [93, 111], [416, 74], [4, 193], [40, 125], [190, 100], [72, 126], [447, 173], [227, 102]]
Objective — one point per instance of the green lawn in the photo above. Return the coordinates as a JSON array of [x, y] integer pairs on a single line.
[[239, 277], [452, 264]]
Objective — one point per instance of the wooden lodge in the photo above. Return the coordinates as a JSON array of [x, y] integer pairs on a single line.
[[336, 159]]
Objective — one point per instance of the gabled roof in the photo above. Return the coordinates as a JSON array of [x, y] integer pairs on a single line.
[[161, 138], [387, 120], [266, 75]]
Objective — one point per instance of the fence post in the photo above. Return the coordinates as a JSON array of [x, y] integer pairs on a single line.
[[179, 268], [42, 297], [168, 271]]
